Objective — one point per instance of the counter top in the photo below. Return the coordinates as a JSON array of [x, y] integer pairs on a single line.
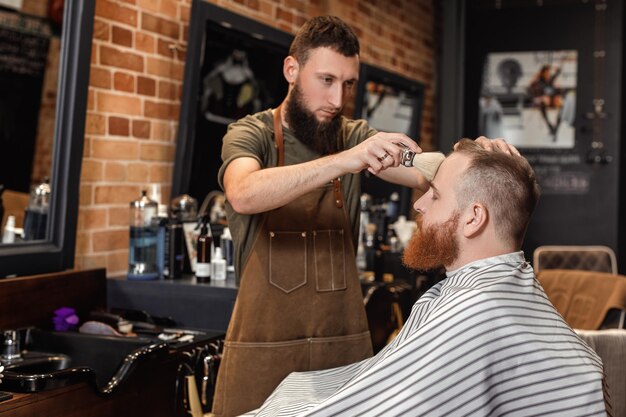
[[204, 305]]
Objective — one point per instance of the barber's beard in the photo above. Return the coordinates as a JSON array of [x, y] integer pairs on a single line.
[[321, 137], [433, 246]]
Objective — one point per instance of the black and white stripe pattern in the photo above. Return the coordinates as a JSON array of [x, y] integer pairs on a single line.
[[483, 342]]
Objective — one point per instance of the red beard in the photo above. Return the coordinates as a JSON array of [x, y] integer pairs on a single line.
[[434, 246]]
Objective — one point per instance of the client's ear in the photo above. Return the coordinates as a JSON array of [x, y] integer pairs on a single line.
[[475, 220]]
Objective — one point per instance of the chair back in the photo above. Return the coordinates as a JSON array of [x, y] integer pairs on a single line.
[[587, 258]]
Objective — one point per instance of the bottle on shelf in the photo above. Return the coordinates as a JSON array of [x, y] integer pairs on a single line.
[[142, 257], [203, 252], [218, 265]]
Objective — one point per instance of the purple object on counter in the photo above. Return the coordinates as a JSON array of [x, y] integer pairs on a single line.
[[65, 319]]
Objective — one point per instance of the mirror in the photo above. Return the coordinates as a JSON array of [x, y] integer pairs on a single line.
[[215, 36], [59, 96]]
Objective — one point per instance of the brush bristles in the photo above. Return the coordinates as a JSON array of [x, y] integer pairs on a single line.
[[428, 163]]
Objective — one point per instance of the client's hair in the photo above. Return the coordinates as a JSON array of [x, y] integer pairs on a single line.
[[505, 184]]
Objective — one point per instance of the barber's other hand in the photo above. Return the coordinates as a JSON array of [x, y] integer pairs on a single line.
[[496, 144], [380, 152]]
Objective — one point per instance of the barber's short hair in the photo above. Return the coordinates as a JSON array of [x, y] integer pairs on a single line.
[[324, 31], [505, 184]]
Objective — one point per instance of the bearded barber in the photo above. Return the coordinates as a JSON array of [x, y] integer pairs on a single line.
[[292, 184]]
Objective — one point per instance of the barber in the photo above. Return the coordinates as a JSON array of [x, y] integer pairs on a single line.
[[291, 177]]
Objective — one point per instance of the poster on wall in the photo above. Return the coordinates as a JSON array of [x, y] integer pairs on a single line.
[[530, 98]]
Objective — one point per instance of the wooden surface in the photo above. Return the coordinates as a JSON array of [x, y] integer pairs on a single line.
[[31, 300], [148, 393]]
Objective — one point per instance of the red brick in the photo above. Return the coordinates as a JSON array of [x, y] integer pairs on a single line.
[[94, 218], [119, 216], [111, 10], [95, 124], [144, 42], [160, 173], [119, 126], [117, 262], [166, 68], [138, 172], [101, 30], [115, 103], [141, 129], [146, 86], [160, 26], [169, 8], [100, 78], [116, 58], [124, 82], [121, 36], [116, 194], [168, 90], [114, 172], [107, 149], [166, 47], [91, 170], [161, 110], [284, 15], [91, 261], [157, 152], [110, 240], [85, 197]]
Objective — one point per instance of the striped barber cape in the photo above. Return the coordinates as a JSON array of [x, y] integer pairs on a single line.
[[485, 341]]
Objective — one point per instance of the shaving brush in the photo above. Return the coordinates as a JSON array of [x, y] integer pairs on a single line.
[[427, 163]]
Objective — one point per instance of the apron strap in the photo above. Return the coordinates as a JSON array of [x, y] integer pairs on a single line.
[[279, 141], [338, 193], [278, 136]]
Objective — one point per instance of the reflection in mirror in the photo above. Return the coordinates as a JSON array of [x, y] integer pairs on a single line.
[[48, 44], [30, 43]]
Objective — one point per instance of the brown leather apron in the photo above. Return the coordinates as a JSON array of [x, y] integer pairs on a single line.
[[299, 306]]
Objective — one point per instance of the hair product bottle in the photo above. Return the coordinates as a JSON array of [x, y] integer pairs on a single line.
[[218, 265], [203, 264]]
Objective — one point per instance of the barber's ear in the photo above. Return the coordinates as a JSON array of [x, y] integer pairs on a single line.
[[476, 219], [290, 69]]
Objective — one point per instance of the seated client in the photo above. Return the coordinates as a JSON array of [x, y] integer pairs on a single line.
[[483, 341]]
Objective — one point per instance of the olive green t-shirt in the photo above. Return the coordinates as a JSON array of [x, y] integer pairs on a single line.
[[253, 136]]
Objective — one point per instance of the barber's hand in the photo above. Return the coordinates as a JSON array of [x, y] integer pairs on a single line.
[[380, 152], [498, 143]]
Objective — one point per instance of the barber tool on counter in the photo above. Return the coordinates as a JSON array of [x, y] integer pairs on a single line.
[[36, 215], [142, 256]]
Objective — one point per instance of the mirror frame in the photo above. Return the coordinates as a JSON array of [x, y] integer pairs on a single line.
[[202, 13], [56, 252]]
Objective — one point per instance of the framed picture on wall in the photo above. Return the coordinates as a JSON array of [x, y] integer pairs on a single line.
[[233, 69], [530, 98], [390, 103]]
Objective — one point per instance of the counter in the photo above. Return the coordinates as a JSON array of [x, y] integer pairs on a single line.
[[189, 302]]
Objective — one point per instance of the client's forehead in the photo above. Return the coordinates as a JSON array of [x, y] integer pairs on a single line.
[[451, 170]]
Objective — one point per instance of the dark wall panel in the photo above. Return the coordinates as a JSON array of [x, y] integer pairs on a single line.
[[590, 218]]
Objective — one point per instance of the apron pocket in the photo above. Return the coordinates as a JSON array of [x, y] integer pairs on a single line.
[[287, 263], [330, 260]]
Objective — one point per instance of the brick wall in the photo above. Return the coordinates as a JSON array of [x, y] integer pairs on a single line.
[[136, 82]]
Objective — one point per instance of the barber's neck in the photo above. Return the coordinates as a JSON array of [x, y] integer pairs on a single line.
[[283, 112]]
